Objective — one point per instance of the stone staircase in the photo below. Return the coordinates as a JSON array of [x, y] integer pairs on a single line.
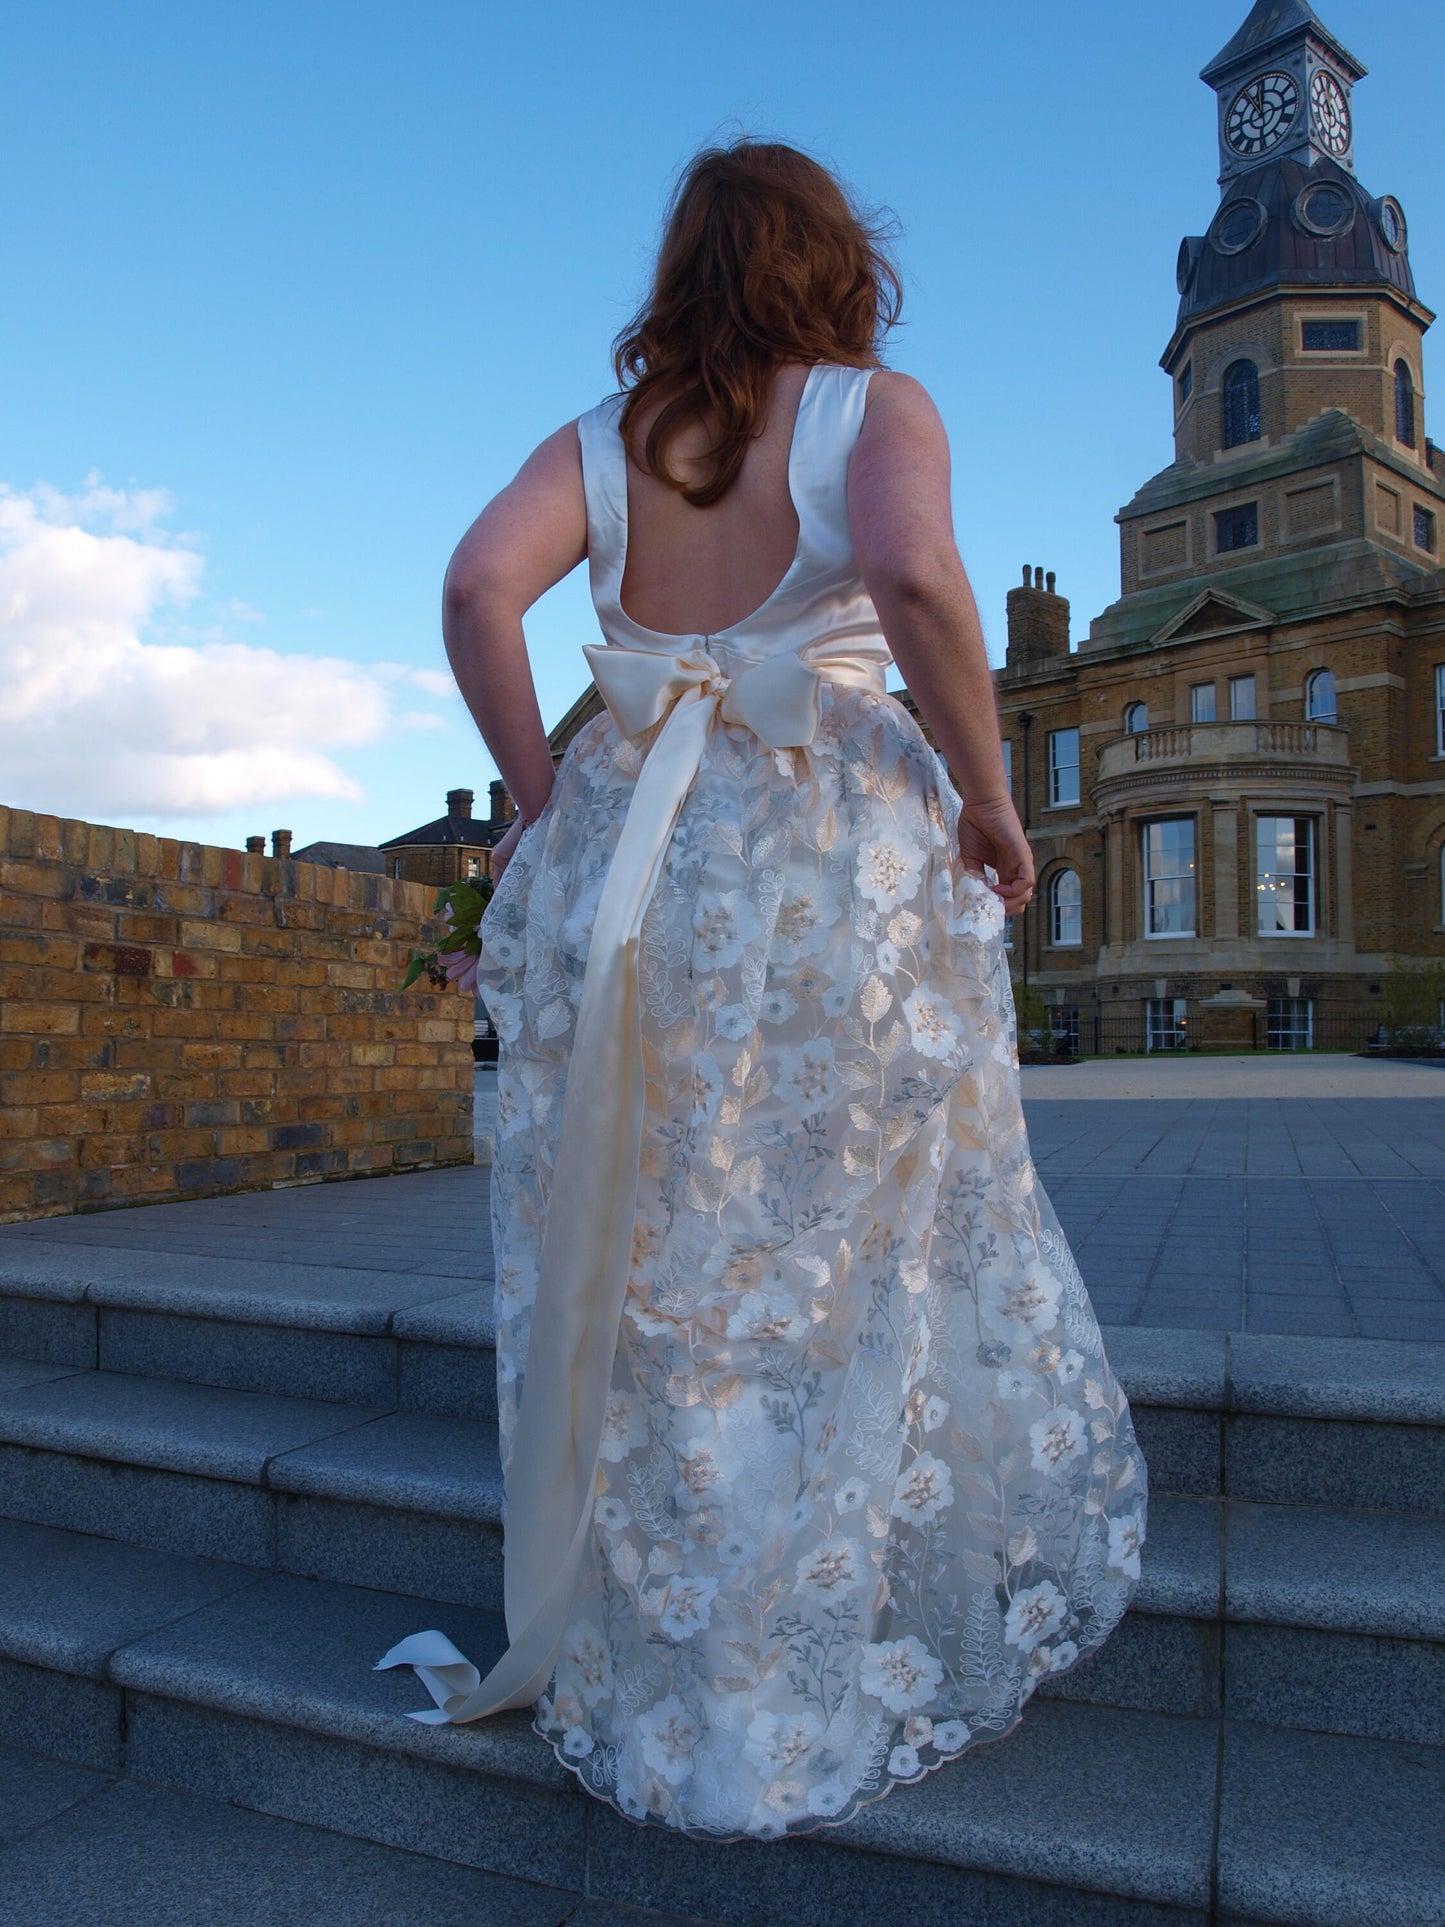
[[228, 1484]]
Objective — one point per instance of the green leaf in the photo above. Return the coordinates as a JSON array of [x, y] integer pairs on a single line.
[[420, 961]]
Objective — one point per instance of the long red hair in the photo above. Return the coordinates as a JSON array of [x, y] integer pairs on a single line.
[[764, 259]]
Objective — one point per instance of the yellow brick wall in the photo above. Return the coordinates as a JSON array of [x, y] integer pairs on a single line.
[[178, 1020]]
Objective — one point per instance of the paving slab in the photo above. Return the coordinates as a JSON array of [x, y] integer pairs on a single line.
[[34, 1790], [140, 1856], [1319, 1831], [198, 1429], [69, 1599]]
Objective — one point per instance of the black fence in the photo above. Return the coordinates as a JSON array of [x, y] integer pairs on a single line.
[[1130, 1033]]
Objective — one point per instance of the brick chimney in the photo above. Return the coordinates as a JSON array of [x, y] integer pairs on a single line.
[[1038, 623], [459, 802], [255, 846], [280, 843], [503, 809]]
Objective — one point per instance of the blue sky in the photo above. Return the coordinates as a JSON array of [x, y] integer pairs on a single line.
[[293, 288]]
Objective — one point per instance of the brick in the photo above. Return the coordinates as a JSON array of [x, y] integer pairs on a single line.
[[115, 1084], [211, 935], [37, 1020]]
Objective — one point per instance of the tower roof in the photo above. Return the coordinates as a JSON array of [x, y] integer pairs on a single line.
[[1270, 24], [1284, 252]]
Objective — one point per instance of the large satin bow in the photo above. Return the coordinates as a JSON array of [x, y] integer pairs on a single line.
[[586, 1254]]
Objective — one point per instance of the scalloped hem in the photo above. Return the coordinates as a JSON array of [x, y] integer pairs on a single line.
[[815, 1823]]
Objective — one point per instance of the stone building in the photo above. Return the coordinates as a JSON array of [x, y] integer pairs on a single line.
[[454, 846], [1233, 784]]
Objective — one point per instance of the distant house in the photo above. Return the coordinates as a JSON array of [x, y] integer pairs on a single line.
[[344, 856], [454, 846]]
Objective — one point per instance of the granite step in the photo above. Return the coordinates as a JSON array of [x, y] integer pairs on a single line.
[[1338, 1422], [1311, 1617], [396, 1339], [257, 1690], [77, 1845], [403, 1500]]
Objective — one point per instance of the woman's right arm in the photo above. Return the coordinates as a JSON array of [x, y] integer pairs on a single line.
[[901, 517], [525, 540]]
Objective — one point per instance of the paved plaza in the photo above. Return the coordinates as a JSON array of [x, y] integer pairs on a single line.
[[1319, 1215]]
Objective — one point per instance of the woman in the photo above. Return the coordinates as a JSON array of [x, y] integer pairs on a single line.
[[815, 1466]]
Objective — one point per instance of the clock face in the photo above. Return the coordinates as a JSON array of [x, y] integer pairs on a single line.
[[1260, 114], [1331, 112]]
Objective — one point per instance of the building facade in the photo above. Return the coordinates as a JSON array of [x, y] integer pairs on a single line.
[[1235, 784]]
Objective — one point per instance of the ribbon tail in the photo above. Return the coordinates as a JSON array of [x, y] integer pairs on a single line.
[[583, 1265]]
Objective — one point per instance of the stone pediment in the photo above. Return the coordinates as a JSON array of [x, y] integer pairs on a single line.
[[1213, 613]]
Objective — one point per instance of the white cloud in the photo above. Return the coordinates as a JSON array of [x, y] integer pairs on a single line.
[[99, 718]]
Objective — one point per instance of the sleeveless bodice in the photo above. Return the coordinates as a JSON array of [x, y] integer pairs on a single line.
[[821, 598]]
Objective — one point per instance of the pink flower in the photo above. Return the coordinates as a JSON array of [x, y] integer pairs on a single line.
[[461, 969]]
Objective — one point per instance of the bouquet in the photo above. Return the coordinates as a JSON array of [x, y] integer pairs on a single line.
[[454, 961]]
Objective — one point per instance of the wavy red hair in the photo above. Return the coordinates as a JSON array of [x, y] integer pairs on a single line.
[[764, 259]]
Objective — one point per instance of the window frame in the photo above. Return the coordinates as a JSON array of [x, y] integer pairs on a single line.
[[1176, 1027], [1308, 321], [1313, 681], [1246, 414], [1278, 1022], [1131, 711], [1196, 691], [1311, 875], [1057, 769], [1220, 516], [1149, 879], [1419, 513], [1236, 685], [1056, 941], [1405, 393]]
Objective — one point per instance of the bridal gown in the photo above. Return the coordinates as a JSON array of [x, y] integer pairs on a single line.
[[815, 1464]]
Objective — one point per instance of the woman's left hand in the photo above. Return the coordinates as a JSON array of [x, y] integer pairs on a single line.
[[503, 848]]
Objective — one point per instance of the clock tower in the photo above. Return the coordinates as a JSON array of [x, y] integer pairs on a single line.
[[1284, 86]]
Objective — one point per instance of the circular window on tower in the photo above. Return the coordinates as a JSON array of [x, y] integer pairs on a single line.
[[1324, 209], [1390, 219], [1238, 225]]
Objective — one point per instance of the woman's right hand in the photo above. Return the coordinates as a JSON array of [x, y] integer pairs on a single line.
[[990, 833], [504, 846]]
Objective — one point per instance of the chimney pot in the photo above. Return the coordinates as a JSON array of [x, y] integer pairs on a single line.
[[459, 802], [280, 843], [1049, 581], [255, 846]]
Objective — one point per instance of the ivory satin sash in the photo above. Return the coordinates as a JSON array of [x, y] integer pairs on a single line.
[[586, 1253]]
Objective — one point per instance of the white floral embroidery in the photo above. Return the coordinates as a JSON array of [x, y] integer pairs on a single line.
[[840, 1254], [902, 1673], [1034, 1613]]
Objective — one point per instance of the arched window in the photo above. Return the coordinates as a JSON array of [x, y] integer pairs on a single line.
[[1241, 403], [1404, 404], [1320, 706], [1136, 718], [1066, 908]]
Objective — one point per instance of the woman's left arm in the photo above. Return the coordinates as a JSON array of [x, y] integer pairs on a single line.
[[525, 540]]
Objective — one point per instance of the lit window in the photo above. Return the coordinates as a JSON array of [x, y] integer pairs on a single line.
[[1236, 528], [1440, 709], [474, 866], [1404, 404], [1066, 909], [1290, 1023], [1169, 877], [1424, 530], [1186, 383], [1320, 706], [1241, 699], [1324, 337], [1063, 767], [1201, 703], [1285, 880], [1136, 718], [1241, 404], [1166, 1024]]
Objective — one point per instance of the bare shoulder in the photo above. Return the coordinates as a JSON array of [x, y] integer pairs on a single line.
[[560, 454], [899, 408]]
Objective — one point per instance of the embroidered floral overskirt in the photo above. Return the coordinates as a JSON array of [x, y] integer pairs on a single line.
[[866, 1476]]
